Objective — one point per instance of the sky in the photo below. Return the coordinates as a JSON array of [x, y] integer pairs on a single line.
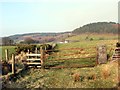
[[29, 16]]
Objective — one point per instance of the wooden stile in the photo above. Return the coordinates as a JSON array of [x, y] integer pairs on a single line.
[[35, 59]]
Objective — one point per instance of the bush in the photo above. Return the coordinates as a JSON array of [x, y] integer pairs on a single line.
[[25, 48], [117, 44], [31, 48], [91, 39], [6, 68]]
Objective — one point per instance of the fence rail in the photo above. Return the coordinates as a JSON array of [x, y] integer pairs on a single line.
[[33, 55], [79, 53], [71, 49], [58, 59]]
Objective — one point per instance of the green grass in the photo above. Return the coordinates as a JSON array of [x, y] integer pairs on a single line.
[[62, 78], [87, 37], [11, 49]]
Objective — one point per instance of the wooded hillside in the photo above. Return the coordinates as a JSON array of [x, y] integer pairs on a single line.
[[99, 27]]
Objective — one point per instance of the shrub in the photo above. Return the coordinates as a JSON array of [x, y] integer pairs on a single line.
[[31, 48], [118, 44], [91, 39], [6, 67], [25, 48]]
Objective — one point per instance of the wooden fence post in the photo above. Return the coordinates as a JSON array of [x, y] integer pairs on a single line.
[[42, 57], [96, 56], [6, 54], [13, 64], [28, 53], [36, 51]]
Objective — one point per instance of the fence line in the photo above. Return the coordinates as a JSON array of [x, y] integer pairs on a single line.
[[42, 55]]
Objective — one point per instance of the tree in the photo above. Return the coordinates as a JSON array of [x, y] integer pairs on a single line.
[[29, 40], [7, 41]]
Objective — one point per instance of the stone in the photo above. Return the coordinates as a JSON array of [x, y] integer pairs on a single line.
[[102, 54]]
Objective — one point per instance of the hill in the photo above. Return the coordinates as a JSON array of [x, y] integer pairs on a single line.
[[39, 37], [99, 27]]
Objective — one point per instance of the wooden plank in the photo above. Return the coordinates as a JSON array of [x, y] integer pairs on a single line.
[[76, 66], [34, 63], [33, 66], [117, 49], [33, 54], [33, 59], [116, 57]]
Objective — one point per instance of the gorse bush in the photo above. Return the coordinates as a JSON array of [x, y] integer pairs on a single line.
[[118, 44], [25, 48], [32, 48]]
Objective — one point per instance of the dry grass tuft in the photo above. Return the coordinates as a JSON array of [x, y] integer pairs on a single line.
[[105, 71], [76, 76]]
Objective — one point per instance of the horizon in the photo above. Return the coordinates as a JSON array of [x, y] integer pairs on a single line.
[[46, 32], [54, 16]]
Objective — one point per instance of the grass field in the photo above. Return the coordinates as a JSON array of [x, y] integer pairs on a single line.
[[106, 74], [95, 36], [11, 49], [62, 78]]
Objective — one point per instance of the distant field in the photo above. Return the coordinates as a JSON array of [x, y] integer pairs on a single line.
[[83, 37], [11, 49]]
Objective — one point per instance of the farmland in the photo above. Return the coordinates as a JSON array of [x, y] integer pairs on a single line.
[[64, 78]]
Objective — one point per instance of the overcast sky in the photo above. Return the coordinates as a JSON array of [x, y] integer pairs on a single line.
[[28, 16]]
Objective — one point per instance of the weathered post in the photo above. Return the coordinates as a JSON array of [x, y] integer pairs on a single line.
[[13, 64], [42, 57], [101, 54], [36, 51], [6, 54], [28, 53]]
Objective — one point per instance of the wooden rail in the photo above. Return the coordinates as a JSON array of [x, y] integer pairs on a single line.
[[80, 49], [77, 66], [33, 55], [79, 53], [58, 59]]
